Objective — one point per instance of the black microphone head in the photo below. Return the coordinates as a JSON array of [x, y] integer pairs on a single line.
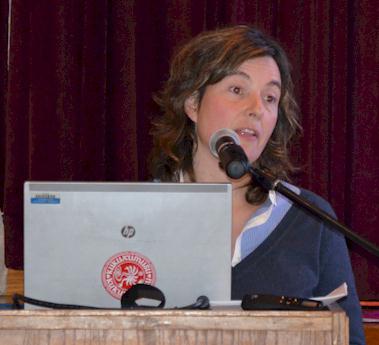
[[225, 145], [221, 136]]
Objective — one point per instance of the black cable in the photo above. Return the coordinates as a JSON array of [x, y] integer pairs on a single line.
[[17, 298], [201, 303]]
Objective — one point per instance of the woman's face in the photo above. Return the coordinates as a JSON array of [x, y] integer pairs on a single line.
[[245, 101]]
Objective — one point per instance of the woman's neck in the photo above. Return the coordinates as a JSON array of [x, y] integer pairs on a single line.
[[206, 169]]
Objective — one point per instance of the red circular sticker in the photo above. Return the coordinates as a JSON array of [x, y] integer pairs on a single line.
[[123, 270]]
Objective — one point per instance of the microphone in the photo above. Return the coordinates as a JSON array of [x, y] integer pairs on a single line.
[[225, 145]]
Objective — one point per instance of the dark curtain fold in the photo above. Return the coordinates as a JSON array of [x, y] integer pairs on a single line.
[[76, 101], [4, 8], [363, 139]]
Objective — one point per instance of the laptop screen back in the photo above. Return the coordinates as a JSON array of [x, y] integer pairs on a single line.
[[87, 243]]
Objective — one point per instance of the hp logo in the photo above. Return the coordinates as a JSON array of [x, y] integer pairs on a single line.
[[128, 231]]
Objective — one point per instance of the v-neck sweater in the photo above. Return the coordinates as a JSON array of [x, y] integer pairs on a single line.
[[302, 257]]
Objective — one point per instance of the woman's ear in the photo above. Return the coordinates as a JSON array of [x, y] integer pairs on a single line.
[[191, 105]]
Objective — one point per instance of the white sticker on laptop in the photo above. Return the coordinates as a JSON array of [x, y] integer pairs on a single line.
[[45, 199], [125, 269]]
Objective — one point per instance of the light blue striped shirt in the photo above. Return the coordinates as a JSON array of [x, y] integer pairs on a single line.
[[262, 223]]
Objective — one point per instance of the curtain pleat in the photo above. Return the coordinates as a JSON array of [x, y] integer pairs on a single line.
[[363, 140], [4, 9]]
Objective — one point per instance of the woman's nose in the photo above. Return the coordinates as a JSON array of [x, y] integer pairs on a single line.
[[255, 106]]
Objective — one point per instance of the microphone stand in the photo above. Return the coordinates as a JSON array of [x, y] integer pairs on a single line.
[[269, 183]]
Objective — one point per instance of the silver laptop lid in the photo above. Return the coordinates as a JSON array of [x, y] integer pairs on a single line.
[[87, 243]]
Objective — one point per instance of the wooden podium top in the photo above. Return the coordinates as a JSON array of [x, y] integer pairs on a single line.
[[145, 327]]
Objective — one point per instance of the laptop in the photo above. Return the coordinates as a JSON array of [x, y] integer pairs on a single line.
[[88, 243]]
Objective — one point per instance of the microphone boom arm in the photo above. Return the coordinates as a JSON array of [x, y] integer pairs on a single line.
[[269, 183]]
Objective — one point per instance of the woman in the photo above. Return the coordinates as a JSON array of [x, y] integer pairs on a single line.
[[238, 78]]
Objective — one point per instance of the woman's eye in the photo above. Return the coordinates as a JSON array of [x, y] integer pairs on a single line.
[[271, 99], [236, 89]]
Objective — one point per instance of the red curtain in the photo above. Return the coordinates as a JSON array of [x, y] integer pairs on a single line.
[[3, 87], [76, 102]]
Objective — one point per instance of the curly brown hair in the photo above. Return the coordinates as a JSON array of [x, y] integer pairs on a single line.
[[203, 61]]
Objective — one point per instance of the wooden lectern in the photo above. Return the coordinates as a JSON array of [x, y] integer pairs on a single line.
[[213, 327]]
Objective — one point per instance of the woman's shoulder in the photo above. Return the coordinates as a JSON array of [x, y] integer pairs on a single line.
[[313, 198]]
